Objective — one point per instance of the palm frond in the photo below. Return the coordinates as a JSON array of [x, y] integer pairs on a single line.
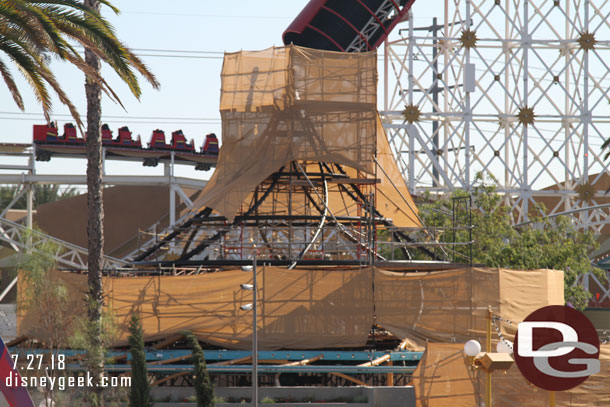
[[30, 66], [33, 31], [12, 86]]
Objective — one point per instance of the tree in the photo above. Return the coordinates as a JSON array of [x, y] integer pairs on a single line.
[[203, 386], [33, 31], [140, 390], [543, 242], [121, 60], [47, 297]]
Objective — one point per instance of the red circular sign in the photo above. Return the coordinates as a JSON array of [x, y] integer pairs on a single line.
[[556, 348]]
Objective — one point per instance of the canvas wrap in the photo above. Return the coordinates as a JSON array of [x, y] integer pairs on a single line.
[[315, 308]]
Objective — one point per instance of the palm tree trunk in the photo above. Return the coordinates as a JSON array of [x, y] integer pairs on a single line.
[[95, 224]]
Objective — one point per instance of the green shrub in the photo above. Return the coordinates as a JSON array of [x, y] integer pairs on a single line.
[[140, 390], [203, 386]]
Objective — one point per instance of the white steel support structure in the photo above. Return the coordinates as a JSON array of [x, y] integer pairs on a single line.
[[25, 176], [552, 57]]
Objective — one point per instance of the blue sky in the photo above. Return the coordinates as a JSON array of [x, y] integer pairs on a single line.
[[190, 82]]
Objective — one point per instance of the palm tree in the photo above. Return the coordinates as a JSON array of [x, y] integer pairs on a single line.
[[95, 224], [33, 31], [30, 33]]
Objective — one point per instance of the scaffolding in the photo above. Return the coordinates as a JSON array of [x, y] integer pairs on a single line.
[[305, 174]]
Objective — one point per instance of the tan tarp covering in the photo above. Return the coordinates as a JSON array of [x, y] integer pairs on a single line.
[[76, 285], [128, 209], [443, 379], [316, 308], [290, 103], [451, 306], [393, 199], [517, 300]]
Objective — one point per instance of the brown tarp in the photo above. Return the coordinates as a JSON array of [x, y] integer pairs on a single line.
[[392, 198], [444, 379], [314, 308], [451, 306], [128, 209], [291, 103]]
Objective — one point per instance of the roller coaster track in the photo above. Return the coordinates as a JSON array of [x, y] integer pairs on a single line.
[[68, 255]]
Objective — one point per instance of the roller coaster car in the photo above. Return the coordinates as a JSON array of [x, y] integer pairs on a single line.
[[70, 136], [157, 141], [122, 140], [45, 133], [179, 142], [210, 146], [106, 134]]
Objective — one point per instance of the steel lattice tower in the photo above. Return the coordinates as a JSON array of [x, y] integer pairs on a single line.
[[517, 90]]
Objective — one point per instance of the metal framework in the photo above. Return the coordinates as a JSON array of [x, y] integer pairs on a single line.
[[308, 214], [23, 172], [515, 90], [371, 29], [21, 238], [288, 220], [172, 367]]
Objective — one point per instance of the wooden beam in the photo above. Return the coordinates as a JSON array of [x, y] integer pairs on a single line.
[[245, 359], [116, 358], [305, 361], [377, 361], [390, 381], [17, 340], [350, 378], [168, 341], [170, 377], [403, 344], [177, 359]]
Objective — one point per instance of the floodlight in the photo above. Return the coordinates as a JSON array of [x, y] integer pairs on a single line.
[[472, 348], [247, 307], [248, 287], [504, 346]]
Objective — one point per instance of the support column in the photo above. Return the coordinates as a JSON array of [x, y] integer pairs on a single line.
[[412, 184], [467, 114], [29, 206], [30, 191], [526, 43]]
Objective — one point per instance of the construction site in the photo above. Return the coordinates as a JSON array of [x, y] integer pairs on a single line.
[[302, 265]]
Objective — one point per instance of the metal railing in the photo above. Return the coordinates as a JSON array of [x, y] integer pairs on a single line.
[[66, 254]]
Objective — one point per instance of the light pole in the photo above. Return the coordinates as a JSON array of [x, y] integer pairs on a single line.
[[487, 360], [248, 307]]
